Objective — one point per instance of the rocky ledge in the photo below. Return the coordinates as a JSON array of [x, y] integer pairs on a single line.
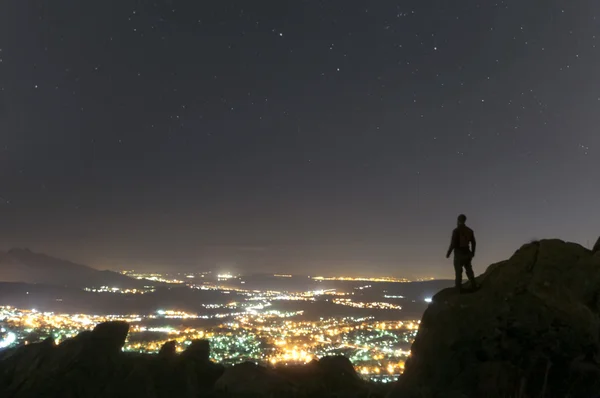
[[532, 330]]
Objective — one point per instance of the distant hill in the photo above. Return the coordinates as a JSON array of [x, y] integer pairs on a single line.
[[73, 300], [23, 265]]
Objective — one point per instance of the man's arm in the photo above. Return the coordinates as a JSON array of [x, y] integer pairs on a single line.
[[473, 245], [452, 243]]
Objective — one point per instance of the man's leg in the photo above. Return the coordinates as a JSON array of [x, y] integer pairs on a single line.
[[470, 273], [458, 273]]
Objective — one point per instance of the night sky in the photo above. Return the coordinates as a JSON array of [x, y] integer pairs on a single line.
[[297, 136]]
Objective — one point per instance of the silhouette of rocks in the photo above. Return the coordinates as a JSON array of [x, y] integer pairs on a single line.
[[596, 248], [532, 330], [92, 364], [110, 336], [198, 349], [250, 379], [333, 373], [168, 349], [329, 377], [337, 367]]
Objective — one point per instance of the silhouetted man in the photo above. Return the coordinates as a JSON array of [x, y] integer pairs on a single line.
[[463, 245]]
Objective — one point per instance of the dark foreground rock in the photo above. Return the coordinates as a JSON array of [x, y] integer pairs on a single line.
[[93, 365], [532, 330], [328, 377]]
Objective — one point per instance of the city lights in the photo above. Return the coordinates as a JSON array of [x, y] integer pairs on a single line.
[[378, 349], [245, 324], [352, 279]]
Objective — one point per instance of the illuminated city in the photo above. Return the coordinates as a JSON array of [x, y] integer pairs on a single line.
[[263, 326]]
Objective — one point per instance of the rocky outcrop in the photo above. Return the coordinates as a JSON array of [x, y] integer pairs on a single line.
[[532, 330], [92, 364], [596, 248], [336, 367], [199, 350], [109, 337], [168, 350]]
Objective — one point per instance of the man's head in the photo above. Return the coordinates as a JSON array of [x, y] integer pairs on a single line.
[[462, 219]]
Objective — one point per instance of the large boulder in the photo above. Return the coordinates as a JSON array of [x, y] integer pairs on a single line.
[[338, 367], [109, 336], [532, 330], [18, 365], [168, 350], [198, 350], [338, 373]]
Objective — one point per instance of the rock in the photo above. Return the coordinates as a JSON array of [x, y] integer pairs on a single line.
[[596, 248], [18, 367], [251, 379], [92, 364], [168, 349], [110, 336], [195, 369], [337, 366], [518, 335], [330, 374], [337, 372], [198, 349]]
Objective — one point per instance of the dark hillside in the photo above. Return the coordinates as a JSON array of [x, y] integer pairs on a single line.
[[23, 265]]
